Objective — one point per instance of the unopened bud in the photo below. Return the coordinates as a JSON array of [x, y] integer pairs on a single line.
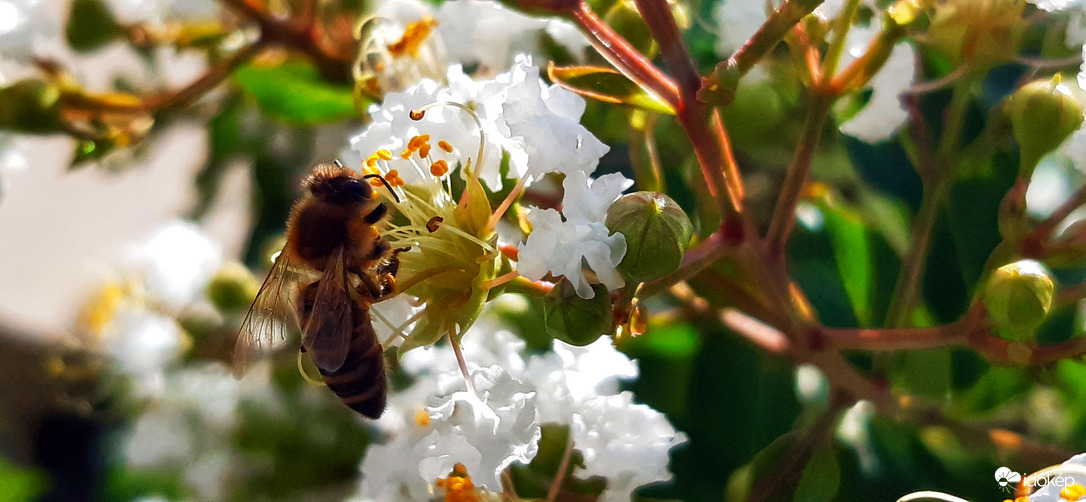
[[1043, 113], [573, 319], [1018, 297], [656, 230], [983, 34], [233, 288]]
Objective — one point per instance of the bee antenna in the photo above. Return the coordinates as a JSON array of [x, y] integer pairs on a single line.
[[420, 112], [385, 183]]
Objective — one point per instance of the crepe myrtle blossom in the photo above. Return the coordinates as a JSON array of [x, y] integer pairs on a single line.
[[130, 318], [537, 126], [189, 426], [421, 138], [498, 424], [410, 39], [560, 246]]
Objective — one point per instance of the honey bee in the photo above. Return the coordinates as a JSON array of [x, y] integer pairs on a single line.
[[333, 266]]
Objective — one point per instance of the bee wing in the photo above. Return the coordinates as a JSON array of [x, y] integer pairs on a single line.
[[328, 330], [264, 327]]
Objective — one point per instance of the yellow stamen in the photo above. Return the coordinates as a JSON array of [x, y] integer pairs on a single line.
[[1073, 492], [413, 37], [424, 150], [439, 168], [444, 145], [414, 142], [406, 154], [384, 154], [422, 418]]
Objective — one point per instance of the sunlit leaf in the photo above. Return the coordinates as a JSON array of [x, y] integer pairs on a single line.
[[295, 92], [606, 85]]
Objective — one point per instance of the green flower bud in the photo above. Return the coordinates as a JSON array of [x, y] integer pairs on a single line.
[[233, 288], [982, 33], [1018, 297], [656, 230], [573, 319], [30, 106], [1043, 113]]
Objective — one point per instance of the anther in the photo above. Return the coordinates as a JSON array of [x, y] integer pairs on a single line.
[[444, 145], [439, 168], [416, 114], [384, 154]]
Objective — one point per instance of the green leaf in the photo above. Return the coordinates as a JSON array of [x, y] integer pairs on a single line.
[[821, 478], [926, 372], [295, 92], [20, 484], [607, 85], [90, 25]]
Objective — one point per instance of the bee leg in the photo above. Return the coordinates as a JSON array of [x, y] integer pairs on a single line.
[[368, 287]]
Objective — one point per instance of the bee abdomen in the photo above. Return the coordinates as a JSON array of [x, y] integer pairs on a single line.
[[360, 383]]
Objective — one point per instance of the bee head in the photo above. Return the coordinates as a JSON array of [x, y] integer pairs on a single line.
[[338, 185]]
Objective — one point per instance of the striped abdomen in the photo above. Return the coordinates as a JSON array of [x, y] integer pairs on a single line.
[[360, 383]]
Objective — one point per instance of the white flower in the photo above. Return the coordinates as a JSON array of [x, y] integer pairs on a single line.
[[624, 442], [486, 432], [1073, 471], [1057, 5], [158, 11], [177, 261], [486, 33], [142, 342], [883, 114], [539, 127], [737, 21], [22, 24], [559, 247]]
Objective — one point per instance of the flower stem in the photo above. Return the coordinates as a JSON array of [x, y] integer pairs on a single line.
[[779, 23], [712, 150], [624, 56], [936, 189], [461, 362], [783, 219]]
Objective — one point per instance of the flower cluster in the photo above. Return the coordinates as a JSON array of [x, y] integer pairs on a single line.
[[430, 138], [438, 422]]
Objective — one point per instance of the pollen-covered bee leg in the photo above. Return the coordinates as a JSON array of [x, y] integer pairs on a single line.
[[368, 287], [378, 212]]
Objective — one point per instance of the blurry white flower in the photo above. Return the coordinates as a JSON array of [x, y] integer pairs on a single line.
[[737, 21], [157, 11], [1049, 188], [22, 22], [883, 114], [142, 342], [189, 423], [177, 261], [560, 246], [486, 33], [854, 431], [1057, 5]]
